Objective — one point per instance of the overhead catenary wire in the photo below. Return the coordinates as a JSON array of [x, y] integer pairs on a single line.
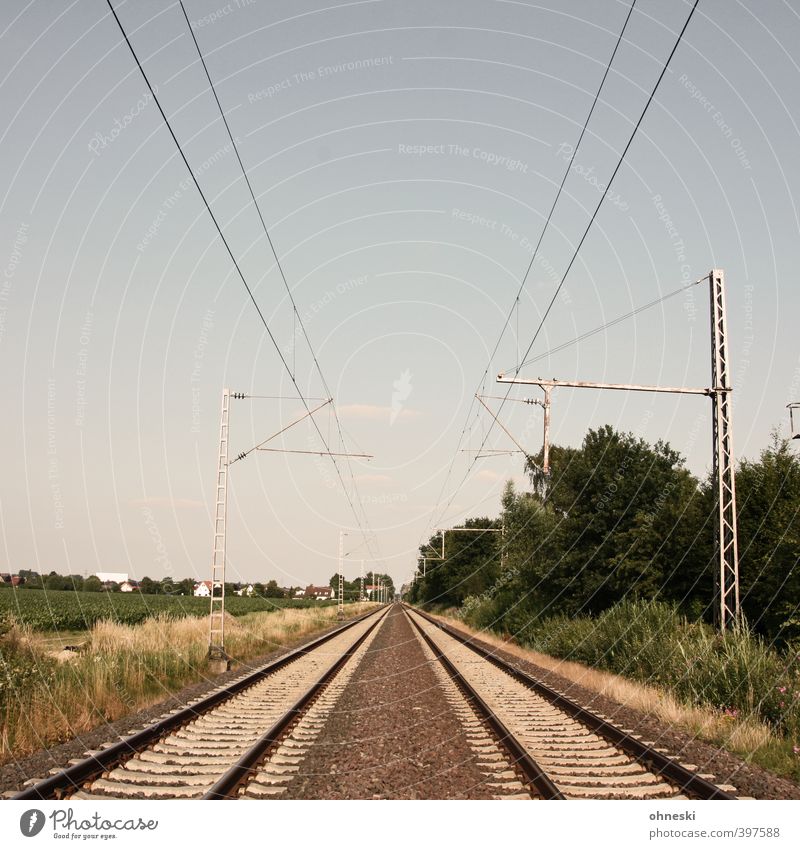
[[297, 319], [235, 262], [615, 321], [585, 234], [526, 274]]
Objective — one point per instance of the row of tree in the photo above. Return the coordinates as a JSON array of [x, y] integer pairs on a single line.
[[148, 586], [352, 589], [622, 518]]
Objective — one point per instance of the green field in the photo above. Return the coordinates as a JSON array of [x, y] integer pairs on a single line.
[[67, 610]]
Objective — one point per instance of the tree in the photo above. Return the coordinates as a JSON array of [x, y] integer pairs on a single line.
[[55, 582], [186, 587], [619, 505], [148, 586], [768, 495], [92, 584], [272, 590]]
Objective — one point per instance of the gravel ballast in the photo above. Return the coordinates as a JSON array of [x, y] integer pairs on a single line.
[[14, 773], [749, 779], [392, 734]]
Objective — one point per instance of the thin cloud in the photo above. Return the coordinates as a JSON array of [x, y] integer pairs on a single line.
[[376, 412], [373, 479], [163, 501]]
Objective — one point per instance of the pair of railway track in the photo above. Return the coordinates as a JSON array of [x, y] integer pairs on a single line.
[[248, 738]]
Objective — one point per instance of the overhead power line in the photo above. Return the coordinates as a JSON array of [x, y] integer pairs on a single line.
[[585, 232], [298, 320], [528, 270], [233, 259], [615, 321]]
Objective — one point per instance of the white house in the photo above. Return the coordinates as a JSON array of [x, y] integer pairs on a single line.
[[245, 591], [128, 586], [112, 577], [203, 589]]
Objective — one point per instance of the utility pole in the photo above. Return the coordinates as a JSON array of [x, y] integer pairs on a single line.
[[342, 535], [726, 575], [216, 639], [219, 660], [724, 473], [794, 429]]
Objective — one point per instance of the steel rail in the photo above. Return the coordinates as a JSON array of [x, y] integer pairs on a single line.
[[533, 773], [227, 786], [655, 761], [74, 777]]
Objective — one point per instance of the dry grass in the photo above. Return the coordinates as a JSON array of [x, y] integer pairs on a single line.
[[743, 736], [125, 668]]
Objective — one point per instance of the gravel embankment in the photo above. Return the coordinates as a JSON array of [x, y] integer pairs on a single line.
[[749, 779], [392, 734]]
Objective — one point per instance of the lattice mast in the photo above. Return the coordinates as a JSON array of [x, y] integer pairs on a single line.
[[216, 639], [727, 547]]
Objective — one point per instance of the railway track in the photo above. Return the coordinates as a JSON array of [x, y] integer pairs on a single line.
[[560, 749], [244, 739], [249, 739]]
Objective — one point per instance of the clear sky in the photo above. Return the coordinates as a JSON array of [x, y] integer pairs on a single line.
[[405, 155]]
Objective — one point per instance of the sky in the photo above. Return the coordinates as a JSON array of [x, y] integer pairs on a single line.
[[404, 156]]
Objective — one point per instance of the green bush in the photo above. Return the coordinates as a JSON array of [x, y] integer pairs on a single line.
[[652, 642]]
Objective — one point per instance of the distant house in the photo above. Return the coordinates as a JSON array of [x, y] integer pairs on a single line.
[[299, 593], [247, 590], [203, 589], [12, 580], [318, 592], [112, 577], [128, 586]]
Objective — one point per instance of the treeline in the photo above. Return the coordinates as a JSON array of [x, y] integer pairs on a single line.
[[624, 519], [352, 589], [31, 580]]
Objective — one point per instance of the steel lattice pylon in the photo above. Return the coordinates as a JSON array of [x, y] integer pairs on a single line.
[[216, 640], [727, 548]]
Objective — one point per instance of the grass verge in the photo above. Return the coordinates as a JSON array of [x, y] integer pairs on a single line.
[[731, 690], [124, 668]]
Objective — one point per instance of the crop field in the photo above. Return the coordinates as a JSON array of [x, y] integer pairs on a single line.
[[67, 610]]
